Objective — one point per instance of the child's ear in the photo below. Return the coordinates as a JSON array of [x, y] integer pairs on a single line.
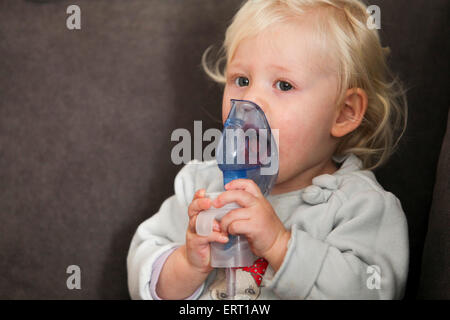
[[350, 114]]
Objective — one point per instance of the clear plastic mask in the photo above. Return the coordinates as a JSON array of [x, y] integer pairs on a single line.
[[248, 148]]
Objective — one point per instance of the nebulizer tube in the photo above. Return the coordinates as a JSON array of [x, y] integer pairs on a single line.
[[246, 150]]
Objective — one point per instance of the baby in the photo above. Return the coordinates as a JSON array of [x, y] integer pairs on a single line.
[[328, 230]]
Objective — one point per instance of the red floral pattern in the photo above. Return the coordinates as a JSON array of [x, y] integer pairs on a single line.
[[257, 270]]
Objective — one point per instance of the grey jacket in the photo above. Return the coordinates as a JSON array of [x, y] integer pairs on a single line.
[[349, 238]]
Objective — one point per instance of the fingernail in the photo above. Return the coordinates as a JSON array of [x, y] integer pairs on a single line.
[[225, 238]]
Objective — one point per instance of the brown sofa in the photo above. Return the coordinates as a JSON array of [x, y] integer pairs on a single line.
[[86, 118]]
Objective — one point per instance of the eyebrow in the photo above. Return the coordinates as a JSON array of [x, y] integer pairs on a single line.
[[236, 65], [273, 66]]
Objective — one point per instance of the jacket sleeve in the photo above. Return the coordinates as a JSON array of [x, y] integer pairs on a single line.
[[364, 256], [163, 231]]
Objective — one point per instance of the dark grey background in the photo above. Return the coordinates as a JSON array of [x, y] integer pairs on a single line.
[[86, 118]]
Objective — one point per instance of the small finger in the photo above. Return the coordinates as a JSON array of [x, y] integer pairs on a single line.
[[218, 237], [233, 215], [241, 197], [244, 184], [200, 193], [197, 240], [238, 227], [198, 205]]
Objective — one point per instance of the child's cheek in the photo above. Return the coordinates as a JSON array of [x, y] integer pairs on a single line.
[[225, 112], [293, 135], [296, 145]]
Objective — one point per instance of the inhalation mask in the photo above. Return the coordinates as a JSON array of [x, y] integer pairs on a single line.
[[247, 150]]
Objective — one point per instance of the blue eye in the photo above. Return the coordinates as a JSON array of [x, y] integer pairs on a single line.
[[241, 81], [284, 86]]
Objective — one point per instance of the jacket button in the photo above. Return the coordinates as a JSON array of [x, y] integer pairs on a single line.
[[326, 181], [315, 195]]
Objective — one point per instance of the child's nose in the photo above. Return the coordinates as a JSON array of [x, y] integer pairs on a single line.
[[259, 100], [262, 103], [255, 93]]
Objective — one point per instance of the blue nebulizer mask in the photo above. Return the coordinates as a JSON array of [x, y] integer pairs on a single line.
[[246, 150]]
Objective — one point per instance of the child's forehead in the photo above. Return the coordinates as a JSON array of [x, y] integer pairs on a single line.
[[291, 44]]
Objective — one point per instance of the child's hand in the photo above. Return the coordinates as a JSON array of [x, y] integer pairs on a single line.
[[197, 247], [256, 219]]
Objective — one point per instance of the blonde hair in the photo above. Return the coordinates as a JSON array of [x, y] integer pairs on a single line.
[[362, 64]]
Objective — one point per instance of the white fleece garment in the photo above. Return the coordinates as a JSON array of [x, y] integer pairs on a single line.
[[349, 237]]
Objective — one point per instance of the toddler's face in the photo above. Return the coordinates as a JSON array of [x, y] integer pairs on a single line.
[[288, 74]]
